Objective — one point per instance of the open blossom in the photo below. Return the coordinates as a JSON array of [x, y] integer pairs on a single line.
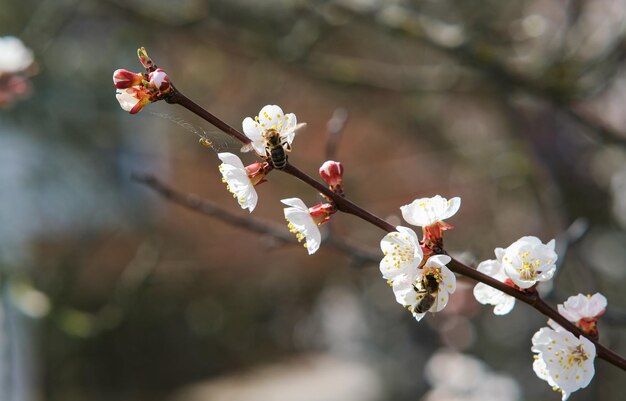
[[303, 221], [270, 117], [430, 213], [564, 361], [487, 295], [403, 253], [241, 180], [425, 212], [414, 293], [528, 261], [584, 311]]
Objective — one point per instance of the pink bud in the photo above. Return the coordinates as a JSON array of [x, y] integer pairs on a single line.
[[145, 60], [257, 172], [123, 79], [159, 79], [332, 173], [321, 212]]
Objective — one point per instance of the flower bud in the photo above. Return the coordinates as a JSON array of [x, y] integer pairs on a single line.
[[321, 213], [145, 60], [159, 79], [124, 79], [332, 173], [257, 172]]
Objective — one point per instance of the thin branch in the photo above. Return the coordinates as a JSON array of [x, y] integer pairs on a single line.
[[178, 98], [212, 209], [335, 127], [279, 233]]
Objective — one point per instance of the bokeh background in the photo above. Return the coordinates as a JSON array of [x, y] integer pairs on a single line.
[[110, 291]]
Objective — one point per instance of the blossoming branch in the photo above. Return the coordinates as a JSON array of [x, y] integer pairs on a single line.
[[419, 271]]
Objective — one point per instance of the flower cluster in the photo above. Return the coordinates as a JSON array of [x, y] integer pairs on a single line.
[[563, 360], [240, 180], [135, 90], [420, 285], [15, 67]]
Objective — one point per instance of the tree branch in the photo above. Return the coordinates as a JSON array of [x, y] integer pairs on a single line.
[[346, 206], [208, 208]]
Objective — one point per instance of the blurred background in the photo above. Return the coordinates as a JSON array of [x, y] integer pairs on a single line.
[[111, 291]]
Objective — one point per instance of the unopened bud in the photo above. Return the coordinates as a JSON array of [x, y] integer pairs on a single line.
[[145, 60], [124, 79], [433, 236], [332, 173], [321, 213], [159, 79], [257, 172]]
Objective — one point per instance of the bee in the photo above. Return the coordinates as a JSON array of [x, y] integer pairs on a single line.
[[430, 288], [276, 145]]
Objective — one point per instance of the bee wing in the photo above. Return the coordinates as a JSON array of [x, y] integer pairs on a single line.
[[246, 148], [298, 128], [287, 137]]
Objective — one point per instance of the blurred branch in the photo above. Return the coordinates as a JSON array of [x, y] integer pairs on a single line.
[[574, 233], [192, 202], [483, 60], [212, 209], [133, 280], [335, 127]]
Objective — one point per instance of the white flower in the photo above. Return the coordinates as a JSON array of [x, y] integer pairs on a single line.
[[487, 295], [564, 361], [581, 307], [424, 212], [403, 253], [238, 182], [528, 261], [302, 224], [270, 116], [133, 99], [15, 56], [127, 100], [413, 291]]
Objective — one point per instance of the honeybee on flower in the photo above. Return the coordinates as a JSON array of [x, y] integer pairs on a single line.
[[271, 134]]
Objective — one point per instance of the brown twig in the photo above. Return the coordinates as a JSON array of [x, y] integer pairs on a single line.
[[347, 206], [278, 233]]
